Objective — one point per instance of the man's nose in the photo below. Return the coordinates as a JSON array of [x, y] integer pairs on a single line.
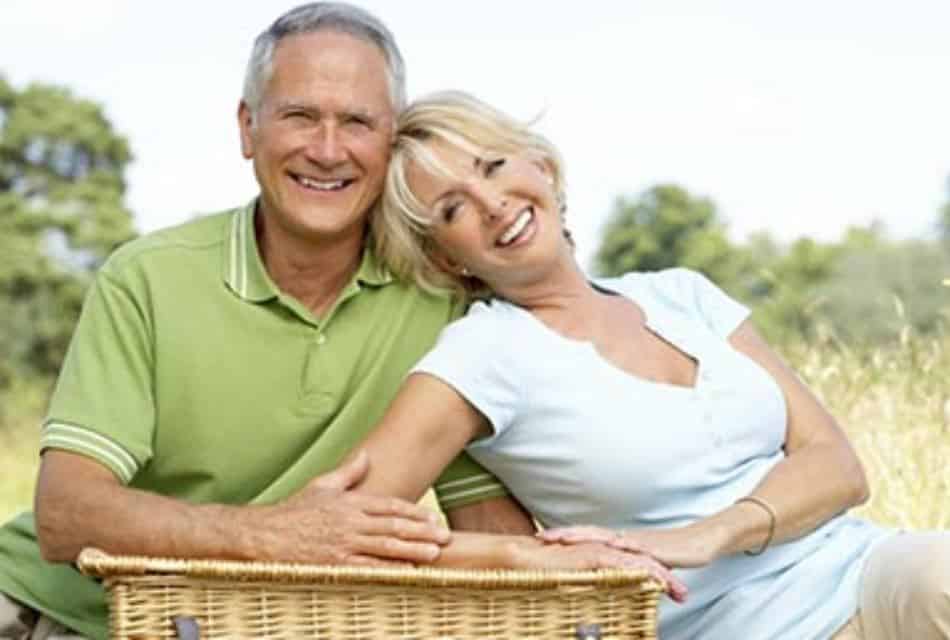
[[326, 149]]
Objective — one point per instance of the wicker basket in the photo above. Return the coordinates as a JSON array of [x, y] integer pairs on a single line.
[[156, 598]]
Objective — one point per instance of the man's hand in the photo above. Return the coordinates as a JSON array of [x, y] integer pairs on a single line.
[[328, 522]]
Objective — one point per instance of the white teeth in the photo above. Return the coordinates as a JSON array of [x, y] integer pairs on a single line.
[[517, 226], [320, 185]]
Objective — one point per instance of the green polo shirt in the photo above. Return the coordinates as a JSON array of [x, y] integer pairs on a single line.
[[191, 375]]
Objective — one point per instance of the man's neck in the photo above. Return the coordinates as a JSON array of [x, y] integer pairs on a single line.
[[312, 271]]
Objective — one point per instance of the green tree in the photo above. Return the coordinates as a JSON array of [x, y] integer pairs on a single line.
[[61, 213], [786, 300], [877, 291], [667, 227]]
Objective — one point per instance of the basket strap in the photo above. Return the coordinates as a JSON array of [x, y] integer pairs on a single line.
[[588, 632], [187, 628]]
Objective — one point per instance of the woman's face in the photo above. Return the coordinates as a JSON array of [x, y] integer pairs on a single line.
[[495, 217]]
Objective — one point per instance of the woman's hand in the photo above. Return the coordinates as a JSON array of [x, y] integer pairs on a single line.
[[593, 555], [683, 547]]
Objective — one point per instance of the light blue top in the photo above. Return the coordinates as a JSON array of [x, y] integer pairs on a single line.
[[579, 441]]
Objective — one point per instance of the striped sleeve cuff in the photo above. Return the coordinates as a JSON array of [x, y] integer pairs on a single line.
[[465, 491], [59, 435]]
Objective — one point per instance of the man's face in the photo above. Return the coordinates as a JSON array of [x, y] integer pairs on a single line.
[[321, 136]]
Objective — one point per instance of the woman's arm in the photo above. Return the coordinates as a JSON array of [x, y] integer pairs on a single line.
[[819, 478], [426, 426]]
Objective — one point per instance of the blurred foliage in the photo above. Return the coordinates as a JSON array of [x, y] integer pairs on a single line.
[[943, 220], [61, 213], [864, 288]]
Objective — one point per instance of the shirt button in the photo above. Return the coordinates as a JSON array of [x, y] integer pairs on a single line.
[[321, 339]]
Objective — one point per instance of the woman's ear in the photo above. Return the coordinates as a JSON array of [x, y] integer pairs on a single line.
[[446, 263], [545, 166]]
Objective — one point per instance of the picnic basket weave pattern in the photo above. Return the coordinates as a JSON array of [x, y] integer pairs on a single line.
[[222, 599]]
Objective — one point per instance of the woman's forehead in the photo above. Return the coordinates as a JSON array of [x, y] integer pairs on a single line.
[[440, 161]]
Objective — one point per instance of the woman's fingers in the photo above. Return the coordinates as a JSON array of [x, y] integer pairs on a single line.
[[577, 535]]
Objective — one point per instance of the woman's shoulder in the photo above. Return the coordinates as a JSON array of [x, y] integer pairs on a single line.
[[485, 319], [683, 292], [675, 286]]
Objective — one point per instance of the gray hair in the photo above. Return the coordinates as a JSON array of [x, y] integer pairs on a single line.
[[323, 16]]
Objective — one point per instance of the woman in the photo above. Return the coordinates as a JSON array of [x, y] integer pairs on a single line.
[[646, 407]]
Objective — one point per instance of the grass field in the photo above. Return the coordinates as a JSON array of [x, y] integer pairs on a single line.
[[894, 401]]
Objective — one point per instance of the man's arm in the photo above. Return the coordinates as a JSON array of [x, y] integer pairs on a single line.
[[494, 515], [80, 503]]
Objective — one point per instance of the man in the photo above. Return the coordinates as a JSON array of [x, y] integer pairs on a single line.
[[219, 367]]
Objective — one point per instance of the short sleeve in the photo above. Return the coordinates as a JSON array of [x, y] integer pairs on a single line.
[[103, 404], [703, 299], [468, 357], [466, 482]]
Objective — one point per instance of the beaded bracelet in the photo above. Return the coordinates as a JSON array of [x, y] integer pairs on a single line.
[[772, 518]]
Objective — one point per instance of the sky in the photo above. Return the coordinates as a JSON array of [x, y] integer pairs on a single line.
[[798, 118]]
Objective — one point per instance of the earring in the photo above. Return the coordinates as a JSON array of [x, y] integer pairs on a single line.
[[465, 272]]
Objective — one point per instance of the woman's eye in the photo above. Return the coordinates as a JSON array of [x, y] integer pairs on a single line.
[[493, 166], [450, 210]]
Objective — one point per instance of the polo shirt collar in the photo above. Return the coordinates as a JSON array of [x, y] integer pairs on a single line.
[[244, 270], [371, 271]]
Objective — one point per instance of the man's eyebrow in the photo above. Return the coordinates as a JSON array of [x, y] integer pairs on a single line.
[[361, 112], [292, 105]]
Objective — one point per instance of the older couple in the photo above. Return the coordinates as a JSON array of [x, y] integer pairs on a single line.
[[223, 368]]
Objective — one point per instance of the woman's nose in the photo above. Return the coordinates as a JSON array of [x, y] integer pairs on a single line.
[[493, 203]]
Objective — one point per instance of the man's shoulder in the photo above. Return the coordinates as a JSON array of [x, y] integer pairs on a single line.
[[202, 233]]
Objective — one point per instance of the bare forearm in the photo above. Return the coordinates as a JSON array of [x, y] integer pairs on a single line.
[[110, 516], [80, 504], [486, 550], [805, 490]]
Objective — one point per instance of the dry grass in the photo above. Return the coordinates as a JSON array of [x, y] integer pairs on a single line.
[[894, 401], [20, 411]]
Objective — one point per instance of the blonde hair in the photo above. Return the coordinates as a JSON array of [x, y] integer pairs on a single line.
[[400, 223]]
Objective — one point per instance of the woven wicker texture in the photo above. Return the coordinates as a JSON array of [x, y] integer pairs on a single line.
[[266, 600]]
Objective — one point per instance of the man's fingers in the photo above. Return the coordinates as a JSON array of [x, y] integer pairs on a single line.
[[345, 476], [390, 548], [406, 529], [380, 506], [360, 560]]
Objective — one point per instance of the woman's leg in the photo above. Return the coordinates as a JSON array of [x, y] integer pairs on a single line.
[[905, 590]]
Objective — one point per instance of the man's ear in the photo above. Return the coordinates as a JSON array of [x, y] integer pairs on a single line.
[[246, 124]]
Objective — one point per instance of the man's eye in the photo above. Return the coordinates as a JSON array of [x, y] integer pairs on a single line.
[[297, 116], [358, 121], [493, 166]]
